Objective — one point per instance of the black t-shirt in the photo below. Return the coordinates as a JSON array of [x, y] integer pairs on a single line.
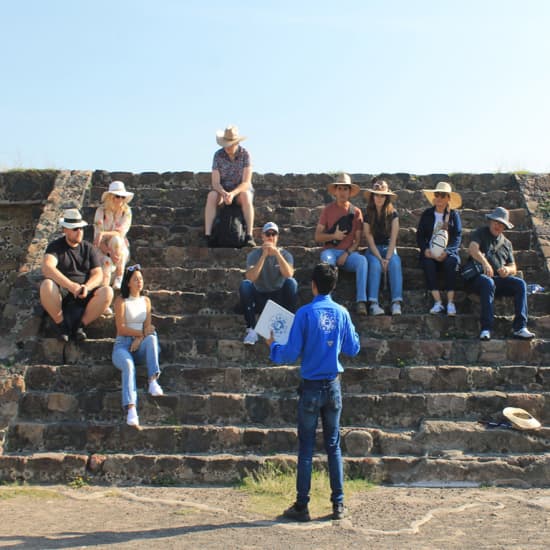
[[487, 243], [74, 263], [379, 233]]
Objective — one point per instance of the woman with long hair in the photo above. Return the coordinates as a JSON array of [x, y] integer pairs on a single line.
[[381, 229], [136, 341]]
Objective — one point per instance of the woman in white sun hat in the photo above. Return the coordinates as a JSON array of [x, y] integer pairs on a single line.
[[442, 215], [111, 224]]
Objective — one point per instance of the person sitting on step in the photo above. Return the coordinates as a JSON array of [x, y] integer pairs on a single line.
[[71, 292], [442, 215], [269, 275], [381, 231], [490, 248], [231, 181], [112, 221], [339, 231], [136, 341]]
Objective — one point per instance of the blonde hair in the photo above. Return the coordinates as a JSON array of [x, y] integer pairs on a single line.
[[109, 204]]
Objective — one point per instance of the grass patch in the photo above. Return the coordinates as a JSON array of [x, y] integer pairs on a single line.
[[272, 489], [14, 491]]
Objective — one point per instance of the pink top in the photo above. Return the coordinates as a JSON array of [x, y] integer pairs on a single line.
[[107, 221]]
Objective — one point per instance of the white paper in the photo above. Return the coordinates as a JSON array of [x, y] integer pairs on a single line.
[[276, 319]]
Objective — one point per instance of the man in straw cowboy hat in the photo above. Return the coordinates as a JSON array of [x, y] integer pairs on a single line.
[[490, 248], [339, 230], [71, 291], [231, 181]]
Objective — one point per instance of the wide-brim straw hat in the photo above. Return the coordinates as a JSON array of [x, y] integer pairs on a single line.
[[379, 187], [343, 179], [500, 214], [72, 218], [229, 136], [444, 187], [521, 419], [118, 188]]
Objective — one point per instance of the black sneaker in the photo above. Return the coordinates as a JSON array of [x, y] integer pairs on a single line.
[[249, 241], [338, 510], [297, 512], [63, 331], [80, 335]]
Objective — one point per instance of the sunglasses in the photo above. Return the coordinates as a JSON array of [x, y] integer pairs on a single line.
[[77, 229], [270, 234], [441, 195], [118, 196], [134, 268]]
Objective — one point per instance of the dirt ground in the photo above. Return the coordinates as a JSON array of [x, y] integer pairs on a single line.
[[214, 517]]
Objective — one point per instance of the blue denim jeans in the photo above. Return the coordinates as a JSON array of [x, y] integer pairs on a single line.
[[252, 300], [126, 361], [375, 274], [319, 398], [449, 266], [490, 287], [356, 263]]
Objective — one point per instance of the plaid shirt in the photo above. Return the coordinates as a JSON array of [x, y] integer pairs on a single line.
[[231, 172]]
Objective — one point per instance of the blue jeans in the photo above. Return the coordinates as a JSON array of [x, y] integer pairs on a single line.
[[319, 397], [126, 361], [375, 274], [449, 266], [490, 287], [356, 263], [252, 300]]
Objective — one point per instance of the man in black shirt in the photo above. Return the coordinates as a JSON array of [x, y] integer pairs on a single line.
[[71, 291], [494, 252]]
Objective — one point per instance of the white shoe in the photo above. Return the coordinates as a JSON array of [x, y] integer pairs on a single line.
[[375, 309], [132, 419], [117, 283], [484, 335], [154, 389], [251, 337], [396, 308], [437, 308], [451, 309], [523, 334]]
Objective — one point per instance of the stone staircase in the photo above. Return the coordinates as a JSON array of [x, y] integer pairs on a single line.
[[412, 397]]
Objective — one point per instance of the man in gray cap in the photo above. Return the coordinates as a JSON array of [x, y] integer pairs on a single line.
[[269, 275], [490, 248]]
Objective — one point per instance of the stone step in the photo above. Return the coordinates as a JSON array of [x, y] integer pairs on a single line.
[[457, 469], [237, 379], [432, 439], [277, 409], [381, 351]]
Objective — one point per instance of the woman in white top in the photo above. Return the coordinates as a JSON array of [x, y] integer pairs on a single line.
[[136, 341]]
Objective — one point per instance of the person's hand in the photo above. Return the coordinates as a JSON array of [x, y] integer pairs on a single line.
[[97, 240], [149, 330], [428, 254], [488, 270], [504, 271], [75, 289], [228, 198], [268, 249], [442, 257], [269, 340], [385, 263], [339, 235], [136, 342]]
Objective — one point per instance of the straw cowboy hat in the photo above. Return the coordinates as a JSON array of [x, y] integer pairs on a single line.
[[444, 187], [500, 214], [521, 419], [379, 187], [229, 136], [117, 188], [343, 179], [72, 219]]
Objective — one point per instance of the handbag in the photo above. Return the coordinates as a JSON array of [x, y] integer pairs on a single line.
[[439, 240], [471, 270]]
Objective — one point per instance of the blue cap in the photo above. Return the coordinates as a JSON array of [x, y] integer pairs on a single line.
[[270, 225]]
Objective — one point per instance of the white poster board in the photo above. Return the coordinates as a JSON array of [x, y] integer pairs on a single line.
[[276, 319]]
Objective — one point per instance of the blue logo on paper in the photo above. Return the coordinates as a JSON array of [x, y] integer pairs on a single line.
[[278, 325]]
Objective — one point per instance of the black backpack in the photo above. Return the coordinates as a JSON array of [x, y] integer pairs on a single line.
[[345, 223], [229, 227]]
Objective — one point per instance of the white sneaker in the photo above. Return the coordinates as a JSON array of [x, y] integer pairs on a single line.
[[523, 334], [484, 335], [154, 389], [251, 337], [117, 283], [396, 308], [132, 419], [437, 308], [375, 309], [451, 309]]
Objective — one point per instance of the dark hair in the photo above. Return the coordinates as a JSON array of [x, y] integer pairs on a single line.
[[124, 288], [380, 223], [325, 277]]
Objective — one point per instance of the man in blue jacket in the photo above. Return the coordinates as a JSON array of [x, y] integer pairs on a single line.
[[321, 330]]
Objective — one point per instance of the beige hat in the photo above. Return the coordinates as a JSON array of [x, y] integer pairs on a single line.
[[72, 219], [444, 187], [229, 136], [343, 179], [117, 188], [521, 419], [379, 187], [500, 214]]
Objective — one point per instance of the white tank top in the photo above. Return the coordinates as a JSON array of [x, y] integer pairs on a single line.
[[135, 312]]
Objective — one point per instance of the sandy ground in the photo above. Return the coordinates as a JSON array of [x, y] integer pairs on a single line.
[[214, 517]]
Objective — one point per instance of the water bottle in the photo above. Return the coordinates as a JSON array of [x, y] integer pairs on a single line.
[[533, 288]]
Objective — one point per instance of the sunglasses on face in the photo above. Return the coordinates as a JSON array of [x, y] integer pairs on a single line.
[[134, 267], [118, 196], [77, 229], [270, 234], [441, 195]]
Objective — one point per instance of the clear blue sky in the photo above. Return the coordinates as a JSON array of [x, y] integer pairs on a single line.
[[416, 86]]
